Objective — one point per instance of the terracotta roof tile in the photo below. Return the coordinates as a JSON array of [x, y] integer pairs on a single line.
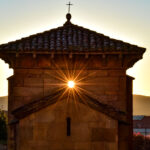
[[69, 37]]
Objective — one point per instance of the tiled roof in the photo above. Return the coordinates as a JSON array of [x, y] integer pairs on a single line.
[[69, 37]]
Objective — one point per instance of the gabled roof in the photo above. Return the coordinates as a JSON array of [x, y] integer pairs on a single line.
[[69, 37], [91, 102]]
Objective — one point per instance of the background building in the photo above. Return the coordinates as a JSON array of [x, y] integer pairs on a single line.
[[141, 124]]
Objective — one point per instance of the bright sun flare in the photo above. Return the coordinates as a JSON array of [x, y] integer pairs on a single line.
[[71, 84]]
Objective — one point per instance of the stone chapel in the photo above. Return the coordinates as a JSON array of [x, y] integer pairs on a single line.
[[46, 114]]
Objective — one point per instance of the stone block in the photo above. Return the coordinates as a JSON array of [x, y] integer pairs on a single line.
[[33, 82], [102, 73], [117, 73], [32, 75], [100, 124], [50, 73], [17, 102], [48, 90], [123, 145], [97, 90], [68, 145], [108, 98], [46, 115], [103, 81], [40, 131], [96, 73], [56, 132], [111, 135], [104, 134], [84, 131], [25, 62], [111, 88], [98, 146], [112, 124], [123, 132], [36, 71], [51, 82], [28, 99], [84, 114], [98, 135], [21, 71], [43, 62], [55, 146], [28, 91], [26, 133], [111, 146], [82, 146], [18, 81], [29, 73], [37, 146], [112, 91], [122, 84]]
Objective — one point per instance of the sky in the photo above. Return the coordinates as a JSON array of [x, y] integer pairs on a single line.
[[127, 20]]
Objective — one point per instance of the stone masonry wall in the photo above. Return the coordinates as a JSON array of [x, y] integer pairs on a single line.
[[35, 78], [32, 84], [46, 129]]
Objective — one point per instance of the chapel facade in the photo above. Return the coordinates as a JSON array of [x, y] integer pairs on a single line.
[[44, 114]]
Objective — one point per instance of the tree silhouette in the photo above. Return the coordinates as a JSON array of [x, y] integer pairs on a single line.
[[141, 142], [3, 127]]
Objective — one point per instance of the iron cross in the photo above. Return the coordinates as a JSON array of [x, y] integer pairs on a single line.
[[69, 4]]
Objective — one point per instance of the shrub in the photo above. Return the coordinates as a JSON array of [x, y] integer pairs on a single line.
[[3, 127], [141, 142]]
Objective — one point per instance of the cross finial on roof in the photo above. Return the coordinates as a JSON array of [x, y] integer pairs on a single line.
[[69, 4]]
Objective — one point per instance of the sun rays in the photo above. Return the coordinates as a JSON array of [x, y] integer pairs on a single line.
[[65, 70], [72, 77]]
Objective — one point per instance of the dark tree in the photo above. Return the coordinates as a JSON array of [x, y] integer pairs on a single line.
[[141, 142], [3, 127]]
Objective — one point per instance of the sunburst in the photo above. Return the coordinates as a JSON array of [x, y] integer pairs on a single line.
[[72, 80]]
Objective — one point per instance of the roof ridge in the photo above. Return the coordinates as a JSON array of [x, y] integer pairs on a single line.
[[37, 105], [68, 37]]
